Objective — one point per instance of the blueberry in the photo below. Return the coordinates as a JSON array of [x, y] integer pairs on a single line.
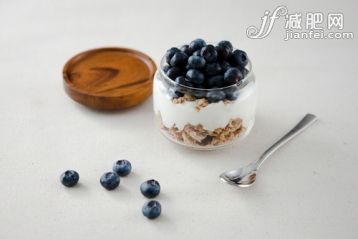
[[209, 53], [225, 65], [232, 76], [152, 209], [109, 180], [170, 53], [212, 69], [186, 50], [166, 68], [199, 93], [232, 93], [175, 93], [239, 58], [195, 76], [223, 53], [196, 62], [215, 96], [122, 167], [183, 81], [174, 72], [150, 188], [197, 53], [216, 81], [69, 178], [226, 44], [179, 59], [197, 44]]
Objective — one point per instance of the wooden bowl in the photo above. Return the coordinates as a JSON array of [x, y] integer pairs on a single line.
[[109, 78]]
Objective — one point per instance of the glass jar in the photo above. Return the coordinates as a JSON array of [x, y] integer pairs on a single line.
[[204, 118]]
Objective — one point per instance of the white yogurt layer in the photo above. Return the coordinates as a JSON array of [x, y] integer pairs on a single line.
[[213, 116]]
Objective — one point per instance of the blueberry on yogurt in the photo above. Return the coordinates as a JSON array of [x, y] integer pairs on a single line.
[[206, 97], [122, 167], [109, 180]]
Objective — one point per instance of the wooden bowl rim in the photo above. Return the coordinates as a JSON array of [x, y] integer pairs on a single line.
[[82, 55]]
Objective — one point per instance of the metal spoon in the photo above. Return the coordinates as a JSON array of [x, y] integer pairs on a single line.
[[246, 176]]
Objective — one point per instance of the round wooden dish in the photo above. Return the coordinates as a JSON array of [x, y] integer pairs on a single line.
[[109, 78]]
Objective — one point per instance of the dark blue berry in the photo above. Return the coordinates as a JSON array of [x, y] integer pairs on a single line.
[[232, 93], [223, 53], [197, 44], [195, 76], [216, 81], [232, 76], [170, 53], [209, 53], [226, 44], [196, 62], [109, 180], [186, 50], [152, 209], [175, 93], [225, 65], [150, 188], [183, 81], [174, 72], [122, 167], [179, 59], [239, 58], [69, 178], [199, 93], [212, 69], [166, 68], [197, 53], [215, 96]]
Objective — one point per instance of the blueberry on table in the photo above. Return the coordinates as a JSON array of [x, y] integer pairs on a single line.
[[212, 69], [69, 178], [216, 81], [183, 81], [239, 58], [197, 44], [174, 72], [122, 167], [195, 76], [179, 59], [215, 96], [196, 62], [232, 76], [170, 53], [226, 44], [186, 50], [109, 180], [209, 53], [152, 209], [150, 188]]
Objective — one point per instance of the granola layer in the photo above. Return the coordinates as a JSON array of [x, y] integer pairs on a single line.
[[197, 135]]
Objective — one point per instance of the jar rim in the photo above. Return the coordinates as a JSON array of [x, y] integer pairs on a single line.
[[242, 83]]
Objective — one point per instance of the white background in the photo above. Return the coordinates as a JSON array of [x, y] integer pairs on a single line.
[[307, 190]]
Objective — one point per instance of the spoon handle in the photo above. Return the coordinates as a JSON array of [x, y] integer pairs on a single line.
[[307, 121]]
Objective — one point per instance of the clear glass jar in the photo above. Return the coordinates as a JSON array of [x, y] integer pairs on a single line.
[[202, 118]]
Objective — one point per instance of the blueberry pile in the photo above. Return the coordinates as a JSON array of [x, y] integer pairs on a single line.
[[205, 66]]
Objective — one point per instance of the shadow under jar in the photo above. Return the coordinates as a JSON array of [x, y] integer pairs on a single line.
[[204, 118]]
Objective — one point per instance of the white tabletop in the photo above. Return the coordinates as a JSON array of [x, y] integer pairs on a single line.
[[307, 190]]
